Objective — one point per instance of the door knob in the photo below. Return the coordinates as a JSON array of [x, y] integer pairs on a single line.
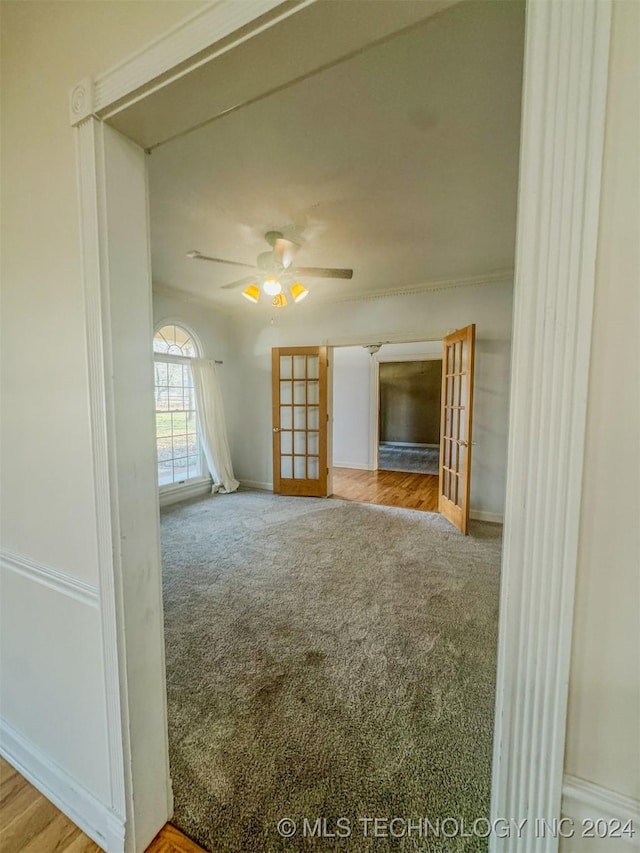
[[276, 429]]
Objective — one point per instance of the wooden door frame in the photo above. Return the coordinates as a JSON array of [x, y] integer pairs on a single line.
[[566, 57]]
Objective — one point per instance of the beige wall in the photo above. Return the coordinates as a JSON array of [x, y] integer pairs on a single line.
[[603, 735], [52, 669]]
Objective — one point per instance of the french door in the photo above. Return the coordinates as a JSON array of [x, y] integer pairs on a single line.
[[299, 394], [456, 426]]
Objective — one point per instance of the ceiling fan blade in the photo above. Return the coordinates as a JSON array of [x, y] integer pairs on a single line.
[[321, 272], [239, 283], [285, 250], [198, 256]]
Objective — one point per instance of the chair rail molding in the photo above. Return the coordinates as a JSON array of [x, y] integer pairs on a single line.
[[565, 77], [564, 100], [62, 582], [582, 801]]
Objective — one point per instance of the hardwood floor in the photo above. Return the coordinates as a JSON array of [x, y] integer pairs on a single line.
[[387, 488], [171, 840], [29, 823]]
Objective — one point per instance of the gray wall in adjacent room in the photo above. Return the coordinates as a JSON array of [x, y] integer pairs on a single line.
[[410, 401]]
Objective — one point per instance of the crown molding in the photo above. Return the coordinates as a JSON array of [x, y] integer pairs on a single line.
[[501, 276], [165, 290]]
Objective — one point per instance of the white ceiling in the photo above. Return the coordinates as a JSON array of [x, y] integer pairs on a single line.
[[400, 162]]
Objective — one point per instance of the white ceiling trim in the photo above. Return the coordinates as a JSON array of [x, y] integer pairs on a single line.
[[503, 276], [495, 277], [212, 23], [191, 298]]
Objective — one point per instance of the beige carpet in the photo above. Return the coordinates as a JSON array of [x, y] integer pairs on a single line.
[[326, 659]]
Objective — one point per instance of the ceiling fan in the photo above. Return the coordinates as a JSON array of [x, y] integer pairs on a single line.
[[274, 271]]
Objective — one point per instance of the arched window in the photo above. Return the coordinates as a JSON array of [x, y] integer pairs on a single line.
[[177, 438], [174, 340]]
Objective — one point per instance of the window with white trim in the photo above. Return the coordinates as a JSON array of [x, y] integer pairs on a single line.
[[177, 438]]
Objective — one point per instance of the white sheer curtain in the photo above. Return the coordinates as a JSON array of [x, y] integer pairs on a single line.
[[213, 430]]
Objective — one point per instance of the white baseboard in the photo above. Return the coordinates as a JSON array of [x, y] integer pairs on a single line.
[[94, 818], [358, 466], [476, 515], [582, 800], [255, 484], [183, 491], [481, 515]]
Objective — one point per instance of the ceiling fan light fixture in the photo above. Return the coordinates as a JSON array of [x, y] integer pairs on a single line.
[[252, 293], [298, 291], [279, 300], [272, 286]]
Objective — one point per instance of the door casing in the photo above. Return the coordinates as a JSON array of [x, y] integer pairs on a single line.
[[567, 48]]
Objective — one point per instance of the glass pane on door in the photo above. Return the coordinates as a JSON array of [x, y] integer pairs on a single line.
[[285, 367]]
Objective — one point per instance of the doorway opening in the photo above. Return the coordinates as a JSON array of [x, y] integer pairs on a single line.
[[525, 780], [386, 423], [409, 416]]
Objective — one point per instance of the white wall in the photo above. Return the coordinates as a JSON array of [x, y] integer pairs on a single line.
[[603, 729], [420, 316], [52, 691], [352, 408]]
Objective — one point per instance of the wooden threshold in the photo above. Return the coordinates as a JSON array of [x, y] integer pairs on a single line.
[[171, 840], [29, 823]]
